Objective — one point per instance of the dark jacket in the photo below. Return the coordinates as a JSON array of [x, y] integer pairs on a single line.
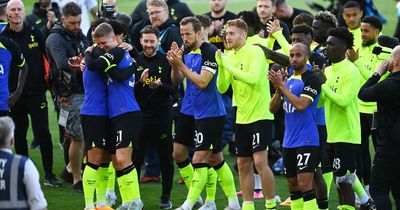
[[61, 45], [387, 95], [31, 41], [177, 11], [169, 32], [38, 18]]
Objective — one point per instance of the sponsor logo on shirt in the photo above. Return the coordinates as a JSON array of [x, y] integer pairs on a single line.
[[32, 45], [210, 64], [311, 90]]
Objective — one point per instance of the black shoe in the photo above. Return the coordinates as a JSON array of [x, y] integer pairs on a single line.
[[66, 176], [370, 205], [165, 203], [51, 181], [78, 187], [35, 144]]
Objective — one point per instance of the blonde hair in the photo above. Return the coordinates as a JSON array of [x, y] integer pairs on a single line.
[[239, 23], [157, 3], [104, 29]]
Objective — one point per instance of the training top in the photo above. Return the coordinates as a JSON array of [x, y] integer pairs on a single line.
[[246, 70], [367, 63], [205, 102], [121, 97], [357, 38], [300, 127], [339, 96], [10, 56]]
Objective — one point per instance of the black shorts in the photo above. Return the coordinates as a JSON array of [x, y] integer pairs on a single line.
[[343, 157], [96, 132], [209, 133], [125, 129], [300, 160], [322, 146], [253, 137], [184, 129]]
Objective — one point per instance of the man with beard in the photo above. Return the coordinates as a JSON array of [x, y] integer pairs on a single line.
[[265, 10], [64, 47], [301, 140], [219, 16], [44, 15], [154, 93], [200, 69], [177, 10], [159, 17], [339, 97], [366, 62], [287, 13]]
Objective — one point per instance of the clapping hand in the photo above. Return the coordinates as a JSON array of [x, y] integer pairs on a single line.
[[320, 72]]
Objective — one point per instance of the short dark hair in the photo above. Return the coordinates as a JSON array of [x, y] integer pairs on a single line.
[[150, 29], [352, 4], [343, 34], [251, 19], [194, 21], [303, 29], [273, 2], [3, 7], [71, 9], [279, 3], [303, 18], [375, 22], [204, 20], [97, 22], [118, 27], [326, 17]]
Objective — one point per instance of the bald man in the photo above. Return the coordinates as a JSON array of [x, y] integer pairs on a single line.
[[301, 139], [33, 101], [385, 175]]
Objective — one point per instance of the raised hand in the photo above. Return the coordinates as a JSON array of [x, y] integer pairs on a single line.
[[320, 72], [352, 55]]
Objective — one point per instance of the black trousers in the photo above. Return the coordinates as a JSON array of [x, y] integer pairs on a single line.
[[159, 136], [36, 108], [364, 158], [385, 179]]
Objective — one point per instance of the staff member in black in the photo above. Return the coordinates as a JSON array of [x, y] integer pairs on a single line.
[[154, 93], [44, 15], [385, 168], [33, 98]]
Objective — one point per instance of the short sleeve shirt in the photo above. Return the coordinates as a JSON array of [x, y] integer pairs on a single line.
[[300, 127]]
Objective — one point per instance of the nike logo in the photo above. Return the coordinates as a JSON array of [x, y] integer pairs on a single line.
[[43, 105], [302, 168]]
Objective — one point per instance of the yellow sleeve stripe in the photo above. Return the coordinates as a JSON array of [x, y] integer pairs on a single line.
[[307, 96], [109, 67], [22, 64], [105, 58]]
